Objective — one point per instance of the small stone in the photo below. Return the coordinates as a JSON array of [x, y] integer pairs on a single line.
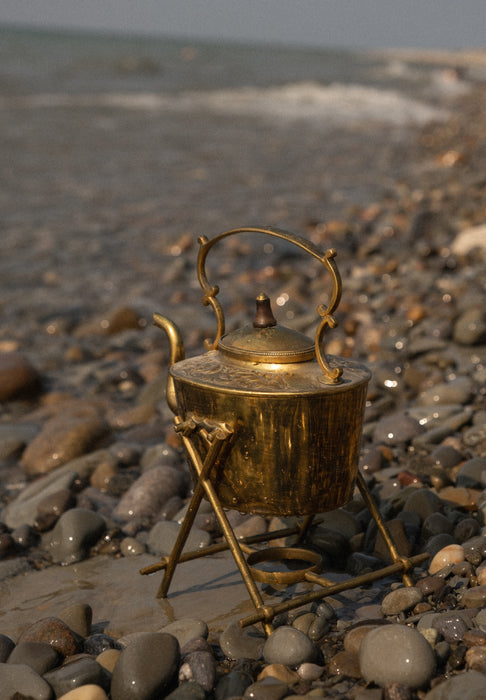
[[25, 508], [436, 524], [75, 532], [187, 691], [233, 684], [281, 673], [460, 497], [78, 617], [472, 473], [452, 627], [465, 530], [401, 600], [18, 377], [423, 502], [474, 638], [21, 681], [470, 327], [86, 692], [396, 654], [309, 671], [476, 658], [397, 429], [354, 637], [288, 646], [475, 549], [55, 632], [163, 535], [40, 656], [97, 643], [267, 689], [431, 585], [344, 664], [451, 554], [186, 629], [76, 673], [470, 685], [474, 597], [147, 495], [199, 666], [6, 646], [108, 659], [456, 391], [146, 668], [62, 438], [131, 547], [238, 643]]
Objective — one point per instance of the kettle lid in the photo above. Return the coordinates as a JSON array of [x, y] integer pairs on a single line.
[[267, 341]]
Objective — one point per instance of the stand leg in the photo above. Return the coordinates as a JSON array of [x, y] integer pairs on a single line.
[[211, 458], [371, 505]]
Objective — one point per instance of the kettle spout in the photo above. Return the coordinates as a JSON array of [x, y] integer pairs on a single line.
[[176, 354]]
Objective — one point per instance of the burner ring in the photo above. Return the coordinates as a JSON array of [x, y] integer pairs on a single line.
[[281, 554]]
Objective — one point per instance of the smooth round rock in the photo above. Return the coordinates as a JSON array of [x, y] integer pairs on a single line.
[[452, 627], [75, 532], [199, 667], [397, 429], [18, 377], [21, 681], [396, 654], [146, 668], [456, 391], [241, 643], [401, 599], [470, 685], [186, 629], [131, 547], [474, 597], [79, 672], [267, 689], [147, 495], [108, 659], [452, 554], [78, 617], [476, 658], [55, 632], [85, 692], [472, 473], [40, 656], [289, 646], [163, 535], [6, 646]]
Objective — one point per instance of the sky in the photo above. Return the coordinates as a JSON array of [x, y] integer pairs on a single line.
[[429, 24]]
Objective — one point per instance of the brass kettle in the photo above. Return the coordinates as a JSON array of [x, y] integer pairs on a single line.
[[295, 416]]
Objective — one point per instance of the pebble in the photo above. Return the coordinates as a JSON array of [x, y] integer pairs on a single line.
[[108, 659], [401, 600], [267, 689], [396, 654], [470, 685], [397, 429], [40, 656], [78, 617], [24, 509], [474, 597], [131, 547], [288, 646], [472, 473], [6, 647], [344, 663], [18, 377], [85, 692], [63, 438], [199, 667], [76, 673], [146, 668], [75, 532], [451, 554], [456, 391], [452, 627], [162, 537], [476, 658], [21, 681], [186, 629], [238, 643], [54, 632], [147, 495]]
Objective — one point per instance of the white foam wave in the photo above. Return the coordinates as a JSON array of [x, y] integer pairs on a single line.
[[331, 104]]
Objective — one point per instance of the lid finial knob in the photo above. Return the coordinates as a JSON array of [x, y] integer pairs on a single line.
[[264, 317]]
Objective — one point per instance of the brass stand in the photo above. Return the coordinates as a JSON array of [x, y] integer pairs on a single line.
[[217, 438]]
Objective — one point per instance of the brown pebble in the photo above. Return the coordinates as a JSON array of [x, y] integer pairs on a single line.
[[353, 638], [55, 632], [476, 658], [398, 691], [474, 597], [461, 496], [50, 508], [101, 476], [430, 585], [281, 672], [68, 435], [474, 637], [344, 664], [17, 376]]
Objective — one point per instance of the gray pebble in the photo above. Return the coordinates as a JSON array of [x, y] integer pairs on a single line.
[[75, 532], [147, 495], [6, 646], [186, 629], [452, 627], [19, 680], [401, 600], [188, 691], [268, 688], [470, 327], [397, 429], [458, 390], [81, 671], [199, 666], [78, 617], [288, 646], [470, 685], [40, 656], [163, 535], [238, 643], [146, 668], [472, 473], [131, 547], [396, 654]]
